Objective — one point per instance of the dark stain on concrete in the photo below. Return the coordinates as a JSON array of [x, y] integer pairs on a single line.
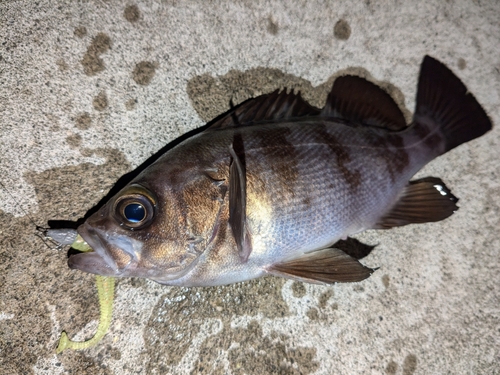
[[35, 280], [24, 336], [256, 354], [272, 26], [462, 64], [80, 31], [180, 314], [83, 121], [143, 72], [130, 104], [132, 13], [75, 187], [298, 289], [313, 313], [392, 368], [410, 364], [100, 102], [63, 66], [358, 288], [324, 298], [386, 281], [74, 140], [79, 363], [342, 30], [92, 62]]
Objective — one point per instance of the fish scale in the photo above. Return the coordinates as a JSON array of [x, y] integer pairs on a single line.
[[321, 179]]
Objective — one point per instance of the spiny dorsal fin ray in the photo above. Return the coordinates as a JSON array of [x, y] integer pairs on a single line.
[[425, 200], [238, 198], [352, 98], [360, 101], [268, 107], [326, 266]]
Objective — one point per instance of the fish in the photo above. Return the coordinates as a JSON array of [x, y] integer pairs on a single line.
[[276, 186]]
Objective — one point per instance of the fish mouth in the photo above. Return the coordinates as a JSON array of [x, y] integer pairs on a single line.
[[100, 261], [116, 255]]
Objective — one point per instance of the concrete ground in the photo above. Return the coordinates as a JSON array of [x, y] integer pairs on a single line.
[[90, 89]]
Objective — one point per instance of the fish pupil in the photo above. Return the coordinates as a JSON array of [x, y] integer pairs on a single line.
[[134, 212]]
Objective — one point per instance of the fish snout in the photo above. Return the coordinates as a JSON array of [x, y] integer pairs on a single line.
[[112, 254]]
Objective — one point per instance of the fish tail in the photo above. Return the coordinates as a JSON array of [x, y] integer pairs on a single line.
[[446, 114]]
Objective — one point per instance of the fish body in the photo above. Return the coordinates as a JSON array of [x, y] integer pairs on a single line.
[[276, 186]]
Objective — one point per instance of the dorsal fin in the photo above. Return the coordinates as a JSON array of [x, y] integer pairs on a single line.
[[268, 107], [352, 98], [360, 101]]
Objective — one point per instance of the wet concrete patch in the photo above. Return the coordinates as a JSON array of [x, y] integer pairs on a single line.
[[41, 270], [100, 102], [83, 121], [181, 314], [410, 364], [72, 190], [132, 13], [130, 104], [272, 26], [250, 352], [342, 30], [92, 62], [74, 140], [80, 31], [40, 292], [144, 72]]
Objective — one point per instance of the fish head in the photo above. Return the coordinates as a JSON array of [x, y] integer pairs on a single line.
[[151, 229]]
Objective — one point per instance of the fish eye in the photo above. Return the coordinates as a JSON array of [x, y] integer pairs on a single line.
[[135, 208], [134, 212]]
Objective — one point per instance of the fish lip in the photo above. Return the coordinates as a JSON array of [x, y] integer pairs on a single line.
[[97, 261], [90, 262]]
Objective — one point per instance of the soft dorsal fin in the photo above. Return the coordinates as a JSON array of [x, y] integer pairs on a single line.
[[268, 107], [237, 202], [359, 101]]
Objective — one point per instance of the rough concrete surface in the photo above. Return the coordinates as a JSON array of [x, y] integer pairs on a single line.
[[90, 89]]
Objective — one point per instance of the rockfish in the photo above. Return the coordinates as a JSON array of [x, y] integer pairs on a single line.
[[277, 186]]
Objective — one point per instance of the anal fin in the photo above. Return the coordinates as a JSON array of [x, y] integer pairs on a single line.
[[327, 266], [425, 200]]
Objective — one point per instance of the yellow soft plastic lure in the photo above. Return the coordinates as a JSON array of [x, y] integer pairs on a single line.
[[105, 289]]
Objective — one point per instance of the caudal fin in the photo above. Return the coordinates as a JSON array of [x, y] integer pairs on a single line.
[[444, 102]]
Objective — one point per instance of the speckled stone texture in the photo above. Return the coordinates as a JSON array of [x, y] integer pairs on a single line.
[[89, 90]]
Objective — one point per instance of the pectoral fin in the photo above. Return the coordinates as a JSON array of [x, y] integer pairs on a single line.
[[237, 205], [326, 266]]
